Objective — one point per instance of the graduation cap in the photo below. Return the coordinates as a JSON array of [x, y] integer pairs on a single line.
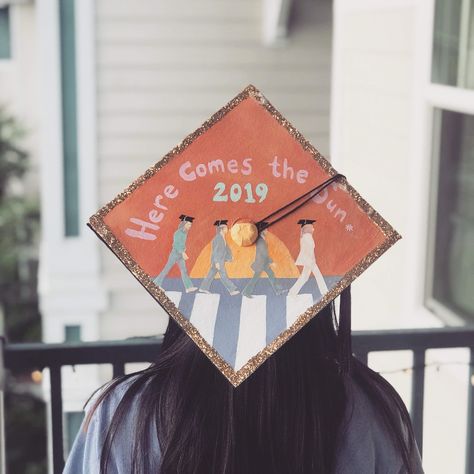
[[239, 297], [303, 222], [221, 222]]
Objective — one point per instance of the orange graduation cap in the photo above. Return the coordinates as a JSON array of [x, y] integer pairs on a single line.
[[243, 232]]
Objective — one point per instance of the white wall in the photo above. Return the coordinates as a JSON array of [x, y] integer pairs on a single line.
[[162, 69], [374, 131]]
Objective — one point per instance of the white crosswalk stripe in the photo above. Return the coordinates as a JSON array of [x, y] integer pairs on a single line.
[[296, 305], [253, 329], [204, 314], [253, 320], [174, 296]]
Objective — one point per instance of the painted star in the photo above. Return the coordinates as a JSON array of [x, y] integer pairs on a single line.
[[349, 228]]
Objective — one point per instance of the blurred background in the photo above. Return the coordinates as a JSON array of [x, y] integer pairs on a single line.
[[93, 93]]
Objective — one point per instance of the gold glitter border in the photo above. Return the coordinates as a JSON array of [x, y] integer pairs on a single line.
[[97, 224]]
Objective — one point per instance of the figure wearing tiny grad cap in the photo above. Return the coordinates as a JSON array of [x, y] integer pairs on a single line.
[[178, 255], [307, 259], [262, 264], [220, 254]]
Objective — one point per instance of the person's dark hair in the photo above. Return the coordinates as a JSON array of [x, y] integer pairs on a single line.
[[286, 417]]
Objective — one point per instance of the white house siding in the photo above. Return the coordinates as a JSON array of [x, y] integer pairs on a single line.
[[162, 69]]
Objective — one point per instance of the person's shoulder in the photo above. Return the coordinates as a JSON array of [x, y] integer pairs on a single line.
[[362, 433], [85, 453], [126, 426], [367, 441], [107, 398]]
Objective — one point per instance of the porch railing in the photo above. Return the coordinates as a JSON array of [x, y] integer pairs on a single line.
[[117, 353]]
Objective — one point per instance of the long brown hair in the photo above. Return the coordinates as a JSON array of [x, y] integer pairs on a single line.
[[287, 417]]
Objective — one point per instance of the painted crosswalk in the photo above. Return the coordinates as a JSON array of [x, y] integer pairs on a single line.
[[238, 332], [296, 305], [252, 333], [204, 314], [174, 296]]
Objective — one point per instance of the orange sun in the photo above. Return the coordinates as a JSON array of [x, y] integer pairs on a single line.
[[243, 257]]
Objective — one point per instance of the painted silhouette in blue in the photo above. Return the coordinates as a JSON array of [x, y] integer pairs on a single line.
[[220, 254], [178, 255]]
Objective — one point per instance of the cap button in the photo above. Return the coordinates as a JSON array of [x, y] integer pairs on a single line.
[[244, 232]]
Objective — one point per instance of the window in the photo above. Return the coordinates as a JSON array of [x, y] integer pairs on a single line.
[[5, 35], [452, 280], [73, 424], [453, 43], [72, 333], [450, 276], [69, 117]]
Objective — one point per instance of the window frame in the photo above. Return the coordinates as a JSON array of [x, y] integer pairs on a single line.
[[465, 8], [69, 116], [11, 18], [70, 434], [437, 98], [72, 326]]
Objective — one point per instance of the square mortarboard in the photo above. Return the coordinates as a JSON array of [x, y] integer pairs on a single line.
[[241, 311], [221, 222], [303, 222]]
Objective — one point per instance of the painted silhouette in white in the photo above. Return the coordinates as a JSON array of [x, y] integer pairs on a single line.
[[307, 259]]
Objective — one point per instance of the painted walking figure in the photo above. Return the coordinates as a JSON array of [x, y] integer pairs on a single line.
[[220, 254], [307, 259], [262, 263], [178, 255]]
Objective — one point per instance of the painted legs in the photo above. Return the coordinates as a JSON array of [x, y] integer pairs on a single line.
[[303, 278], [250, 286], [174, 259], [213, 271]]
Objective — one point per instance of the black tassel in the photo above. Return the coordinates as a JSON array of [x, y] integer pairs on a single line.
[[344, 332]]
